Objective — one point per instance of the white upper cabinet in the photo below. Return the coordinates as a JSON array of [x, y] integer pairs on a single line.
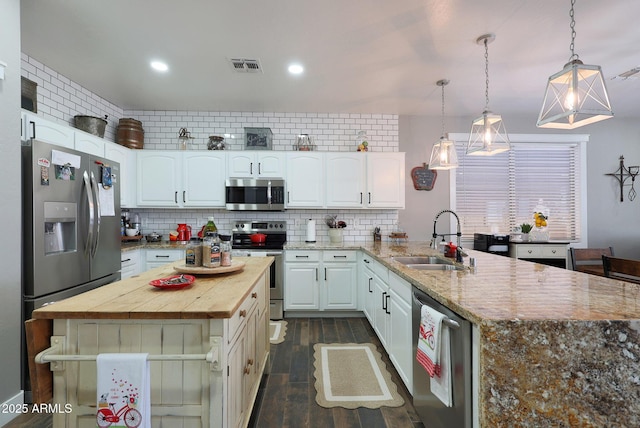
[[256, 164], [47, 131], [345, 180], [126, 157], [305, 180], [88, 143], [203, 179], [180, 179], [159, 178], [385, 180]]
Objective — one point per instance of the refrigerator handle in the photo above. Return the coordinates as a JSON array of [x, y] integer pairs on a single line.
[[98, 217], [87, 186]]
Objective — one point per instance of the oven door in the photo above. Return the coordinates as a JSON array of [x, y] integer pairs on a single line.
[[276, 279], [248, 194]]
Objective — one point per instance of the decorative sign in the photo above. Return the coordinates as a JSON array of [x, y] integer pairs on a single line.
[[423, 177]]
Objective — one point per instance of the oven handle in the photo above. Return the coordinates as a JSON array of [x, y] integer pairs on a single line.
[[446, 320]]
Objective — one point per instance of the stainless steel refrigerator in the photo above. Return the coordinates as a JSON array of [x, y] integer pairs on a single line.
[[71, 226]]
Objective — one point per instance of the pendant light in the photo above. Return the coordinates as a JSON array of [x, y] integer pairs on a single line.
[[575, 96], [443, 154], [488, 133]]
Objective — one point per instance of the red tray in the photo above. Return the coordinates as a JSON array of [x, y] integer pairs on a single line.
[[163, 283]]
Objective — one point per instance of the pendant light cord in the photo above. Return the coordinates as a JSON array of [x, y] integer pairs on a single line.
[[573, 32], [486, 73], [443, 109]]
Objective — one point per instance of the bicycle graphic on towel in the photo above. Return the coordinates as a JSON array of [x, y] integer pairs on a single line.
[[130, 416]]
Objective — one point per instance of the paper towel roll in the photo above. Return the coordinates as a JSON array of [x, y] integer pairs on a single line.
[[311, 231]]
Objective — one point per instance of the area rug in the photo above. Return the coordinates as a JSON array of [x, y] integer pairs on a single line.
[[352, 375], [277, 331]]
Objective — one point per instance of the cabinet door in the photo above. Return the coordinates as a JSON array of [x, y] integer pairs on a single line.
[[158, 180], [241, 164], [380, 311], [88, 143], [385, 180], [50, 132], [367, 287], [301, 287], [305, 180], [126, 157], [340, 286], [400, 340], [203, 179], [345, 180], [156, 258], [271, 164], [235, 381]]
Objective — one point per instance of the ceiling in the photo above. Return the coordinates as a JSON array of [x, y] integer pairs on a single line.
[[368, 56]]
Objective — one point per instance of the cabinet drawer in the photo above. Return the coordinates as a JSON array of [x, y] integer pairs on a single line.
[[238, 319], [129, 258], [554, 251], [164, 255], [380, 270], [401, 287], [339, 256], [302, 256], [529, 251]]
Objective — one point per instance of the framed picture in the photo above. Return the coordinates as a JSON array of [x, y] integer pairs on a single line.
[[258, 139]]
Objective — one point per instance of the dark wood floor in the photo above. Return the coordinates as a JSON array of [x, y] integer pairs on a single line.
[[287, 395]]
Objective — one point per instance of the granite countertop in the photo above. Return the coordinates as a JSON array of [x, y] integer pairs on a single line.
[[556, 348], [210, 296]]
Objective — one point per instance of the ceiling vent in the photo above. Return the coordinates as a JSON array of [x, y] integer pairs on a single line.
[[629, 74], [243, 65]]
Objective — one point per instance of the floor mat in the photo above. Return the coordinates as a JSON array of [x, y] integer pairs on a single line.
[[277, 331], [352, 375]]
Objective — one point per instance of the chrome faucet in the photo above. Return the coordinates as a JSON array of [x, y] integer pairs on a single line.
[[435, 234]]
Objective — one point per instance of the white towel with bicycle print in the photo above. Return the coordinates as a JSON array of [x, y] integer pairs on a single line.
[[434, 353], [123, 391]]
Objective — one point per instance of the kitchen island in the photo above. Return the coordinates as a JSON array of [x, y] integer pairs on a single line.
[[556, 348], [208, 344]]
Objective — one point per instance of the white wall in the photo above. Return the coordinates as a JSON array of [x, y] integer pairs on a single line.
[[10, 215], [610, 222]]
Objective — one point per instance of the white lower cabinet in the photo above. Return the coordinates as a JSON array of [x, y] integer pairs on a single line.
[[159, 257], [400, 338], [365, 286], [130, 263], [320, 280]]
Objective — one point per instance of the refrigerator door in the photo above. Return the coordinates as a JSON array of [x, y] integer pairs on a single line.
[[55, 223], [105, 252]]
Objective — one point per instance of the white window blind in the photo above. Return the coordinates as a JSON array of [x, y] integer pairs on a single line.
[[494, 194]]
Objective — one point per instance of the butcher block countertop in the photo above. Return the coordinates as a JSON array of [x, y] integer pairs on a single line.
[[210, 296]]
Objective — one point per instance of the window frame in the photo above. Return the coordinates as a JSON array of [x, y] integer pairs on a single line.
[[578, 139]]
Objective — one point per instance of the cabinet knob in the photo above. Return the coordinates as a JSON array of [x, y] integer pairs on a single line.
[[250, 361], [247, 370], [254, 295], [243, 313], [529, 251]]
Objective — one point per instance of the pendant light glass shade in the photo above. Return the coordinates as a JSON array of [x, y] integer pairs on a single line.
[[575, 96], [443, 153], [488, 135]]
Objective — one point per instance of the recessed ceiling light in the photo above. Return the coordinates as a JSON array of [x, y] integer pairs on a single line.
[[159, 66], [295, 69]]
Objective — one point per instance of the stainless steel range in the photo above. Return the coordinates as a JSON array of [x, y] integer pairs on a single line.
[[276, 236]]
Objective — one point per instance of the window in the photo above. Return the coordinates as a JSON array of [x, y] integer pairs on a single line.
[[494, 194]]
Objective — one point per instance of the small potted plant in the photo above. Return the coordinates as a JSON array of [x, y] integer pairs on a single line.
[[525, 228], [335, 228]]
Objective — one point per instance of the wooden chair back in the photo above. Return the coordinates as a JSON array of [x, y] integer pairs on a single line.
[[622, 269], [589, 260]]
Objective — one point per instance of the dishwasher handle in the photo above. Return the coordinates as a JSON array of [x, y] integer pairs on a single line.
[[446, 320]]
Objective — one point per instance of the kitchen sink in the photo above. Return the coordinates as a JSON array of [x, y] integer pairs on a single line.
[[427, 263]]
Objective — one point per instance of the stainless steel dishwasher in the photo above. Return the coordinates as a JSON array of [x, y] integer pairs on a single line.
[[431, 410]]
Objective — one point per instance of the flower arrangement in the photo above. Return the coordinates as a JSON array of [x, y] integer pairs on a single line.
[[333, 223]]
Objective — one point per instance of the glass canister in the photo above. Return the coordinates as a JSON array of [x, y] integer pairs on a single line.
[[211, 250], [225, 250], [193, 254]]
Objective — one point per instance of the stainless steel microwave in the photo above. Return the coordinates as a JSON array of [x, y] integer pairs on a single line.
[[254, 194]]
